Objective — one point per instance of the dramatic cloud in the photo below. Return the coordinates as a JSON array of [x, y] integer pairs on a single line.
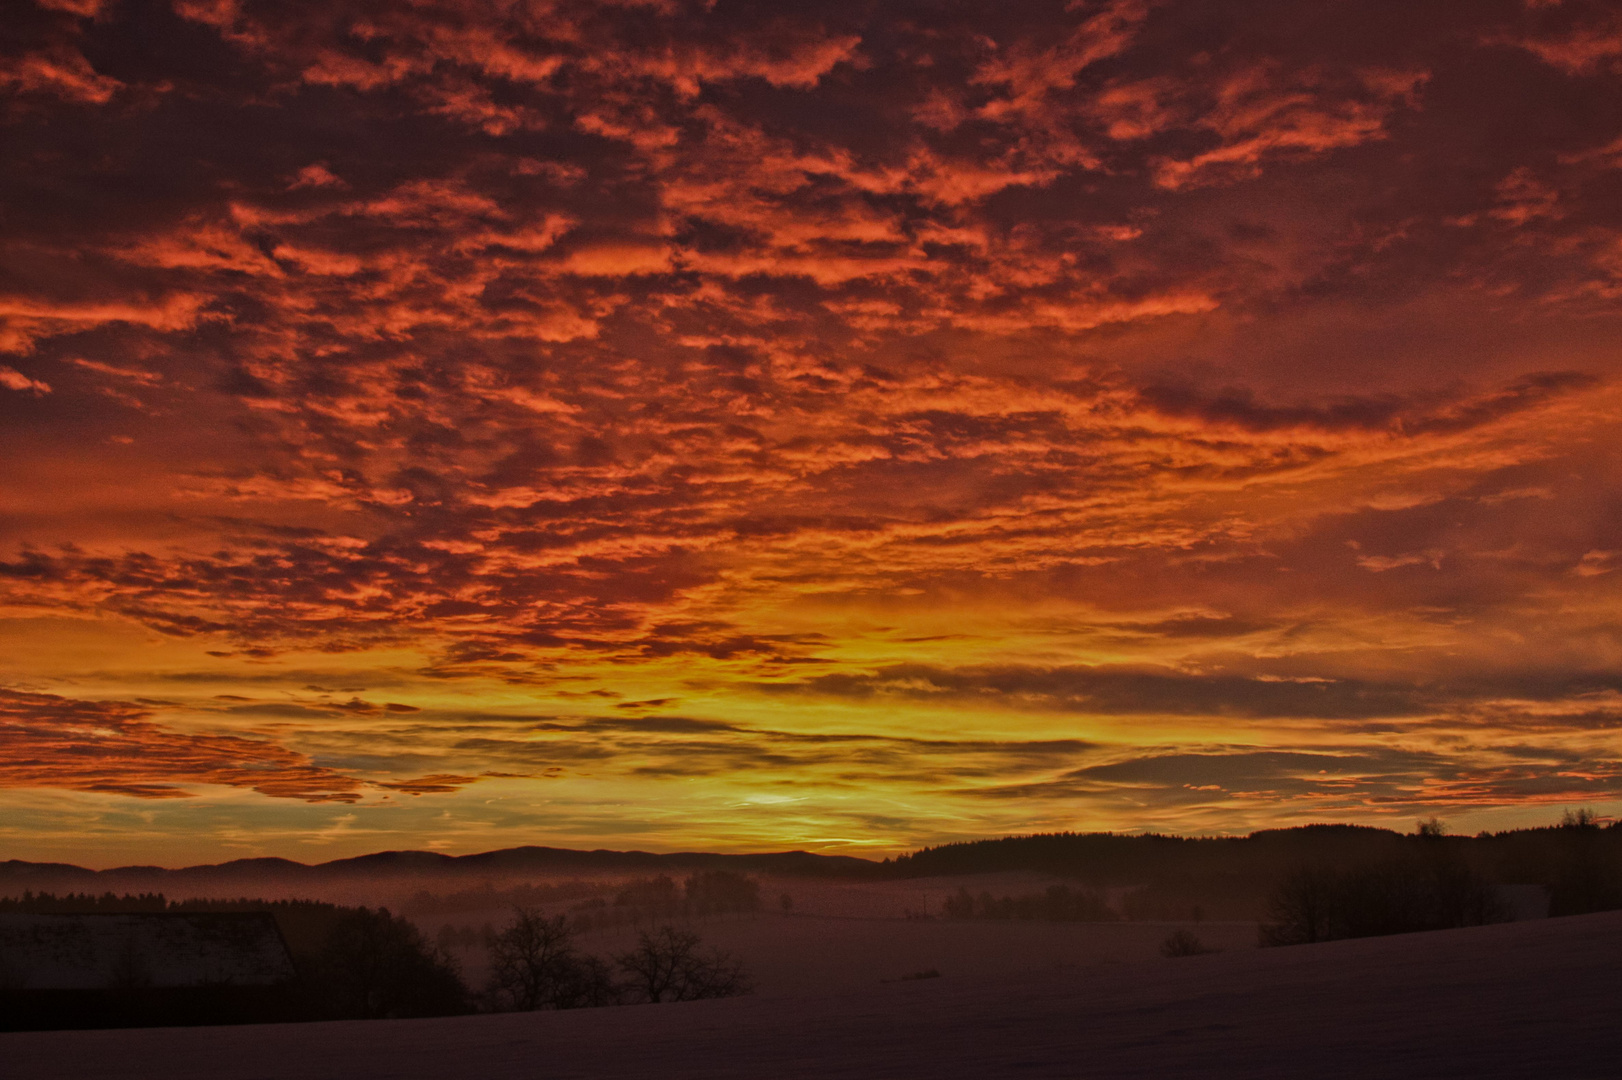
[[684, 421], [112, 746]]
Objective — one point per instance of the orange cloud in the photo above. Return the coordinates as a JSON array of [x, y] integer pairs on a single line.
[[12, 379], [114, 748], [839, 399], [61, 73]]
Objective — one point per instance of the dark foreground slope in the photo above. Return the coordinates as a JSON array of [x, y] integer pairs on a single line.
[[1514, 1000]]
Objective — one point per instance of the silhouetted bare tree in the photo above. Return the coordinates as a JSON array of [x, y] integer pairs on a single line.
[[1581, 818], [534, 965], [666, 965], [593, 987]]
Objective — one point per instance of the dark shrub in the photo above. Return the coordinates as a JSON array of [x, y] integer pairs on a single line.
[[1183, 943]]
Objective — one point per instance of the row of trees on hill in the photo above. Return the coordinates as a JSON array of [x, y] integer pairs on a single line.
[[1435, 891], [1576, 864], [705, 894], [366, 963], [374, 964], [487, 897], [1057, 903], [1433, 886], [350, 963], [701, 894], [709, 892]]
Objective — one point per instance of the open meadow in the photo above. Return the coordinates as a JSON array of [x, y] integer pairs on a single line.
[[840, 936], [1508, 1000]]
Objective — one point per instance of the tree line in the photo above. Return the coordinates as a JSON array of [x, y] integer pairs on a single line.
[[1577, 864], [368, 963], [1432, 885], [1056, 903]]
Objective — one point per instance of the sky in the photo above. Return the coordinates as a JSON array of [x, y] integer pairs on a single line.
[[840, 425]]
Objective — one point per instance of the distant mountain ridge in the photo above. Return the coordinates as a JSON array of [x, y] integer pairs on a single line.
[[16, 874], [1578, 865]]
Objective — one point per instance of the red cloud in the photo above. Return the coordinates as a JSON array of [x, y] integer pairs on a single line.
[[12, 379], [579, 344], [1258, 113], [61, 73], [114, 747]]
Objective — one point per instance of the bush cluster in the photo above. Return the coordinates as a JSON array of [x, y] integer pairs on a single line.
[[662, 898], [1183, 943], [536, 964], [710, 892]]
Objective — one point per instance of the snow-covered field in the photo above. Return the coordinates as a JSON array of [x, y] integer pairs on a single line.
[[842, 936], [1535, 999]]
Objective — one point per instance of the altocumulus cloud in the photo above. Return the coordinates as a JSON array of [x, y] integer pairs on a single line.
[[792, 383]]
